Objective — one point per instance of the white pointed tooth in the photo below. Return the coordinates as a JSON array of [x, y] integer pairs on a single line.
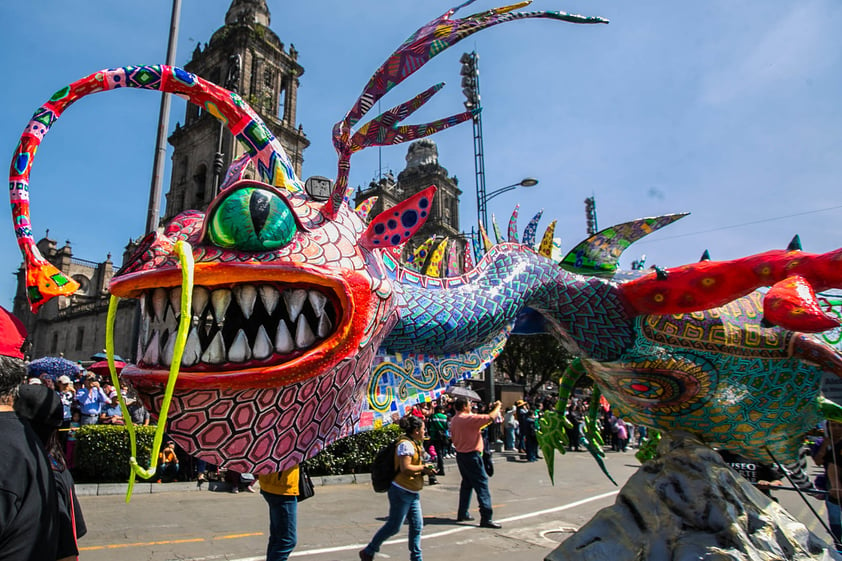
[[220, 299], [303, 334], [143, 336], [239, 351], [324, 327], [215, 353], [144, 309], [201, 295], [192, 349], [246, 295], [159, 303], [169, 349], [295, 301], [175, 300], [262, 345], [152, 350], [270, 296], [283, 339], [317, 301]]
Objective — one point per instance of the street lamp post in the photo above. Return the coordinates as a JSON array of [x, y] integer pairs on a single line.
[[158, 162], [470, 87], [483, 204], [525, 182]]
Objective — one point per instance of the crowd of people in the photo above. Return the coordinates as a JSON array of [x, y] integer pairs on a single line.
[[88, 399]]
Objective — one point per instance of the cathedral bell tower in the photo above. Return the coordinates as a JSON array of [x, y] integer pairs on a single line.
[[244, 56]]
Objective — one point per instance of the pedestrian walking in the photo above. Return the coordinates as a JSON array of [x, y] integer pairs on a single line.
[[280, 490], [405, 491], [439, 429], [466, 433]]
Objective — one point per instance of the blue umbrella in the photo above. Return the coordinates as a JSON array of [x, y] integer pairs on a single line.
[[103, 356], [53, 366]]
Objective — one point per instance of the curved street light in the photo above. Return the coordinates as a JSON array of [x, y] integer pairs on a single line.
[[482, 203], [525, 182]]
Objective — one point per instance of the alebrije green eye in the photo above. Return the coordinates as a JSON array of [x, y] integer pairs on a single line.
[[252, 219]]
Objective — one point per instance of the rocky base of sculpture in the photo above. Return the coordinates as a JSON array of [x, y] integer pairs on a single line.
[[688, 504]]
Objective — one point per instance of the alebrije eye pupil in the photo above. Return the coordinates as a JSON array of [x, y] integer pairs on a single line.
[[259, 209]]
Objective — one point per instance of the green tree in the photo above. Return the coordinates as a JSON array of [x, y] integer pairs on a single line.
[[533, 360]]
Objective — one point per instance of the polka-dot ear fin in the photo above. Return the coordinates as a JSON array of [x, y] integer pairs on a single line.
[[394, 226]]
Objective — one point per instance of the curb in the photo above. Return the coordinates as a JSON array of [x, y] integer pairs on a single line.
[[144, 488]]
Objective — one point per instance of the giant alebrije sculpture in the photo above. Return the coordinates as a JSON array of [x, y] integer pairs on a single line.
[[276, 323]]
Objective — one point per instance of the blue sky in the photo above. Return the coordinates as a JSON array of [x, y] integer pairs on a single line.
[[727, 109]]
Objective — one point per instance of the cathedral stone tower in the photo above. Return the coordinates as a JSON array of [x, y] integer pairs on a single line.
[[422, 170], [244, 56]]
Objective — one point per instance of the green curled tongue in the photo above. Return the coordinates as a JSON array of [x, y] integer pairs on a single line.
[[185, 255]]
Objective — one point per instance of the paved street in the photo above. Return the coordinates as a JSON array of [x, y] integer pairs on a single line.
[[339, 520]]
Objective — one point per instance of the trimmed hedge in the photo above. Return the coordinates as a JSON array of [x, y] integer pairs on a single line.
[[102, 452], [352, 454]]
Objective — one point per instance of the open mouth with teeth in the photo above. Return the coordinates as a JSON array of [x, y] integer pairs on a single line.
[[233, 327]]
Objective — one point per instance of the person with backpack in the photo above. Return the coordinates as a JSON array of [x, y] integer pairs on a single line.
[[405, 491]]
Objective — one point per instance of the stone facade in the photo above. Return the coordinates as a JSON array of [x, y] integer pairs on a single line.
[[422, 170], [74, 326], [245, 56]]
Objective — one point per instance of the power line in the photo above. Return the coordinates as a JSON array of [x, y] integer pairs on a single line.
[[740, 225]]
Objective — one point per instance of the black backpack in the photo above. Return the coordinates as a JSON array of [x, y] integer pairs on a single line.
[[383, 469]]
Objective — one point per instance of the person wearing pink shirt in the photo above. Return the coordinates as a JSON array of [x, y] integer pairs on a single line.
[[466, 434]]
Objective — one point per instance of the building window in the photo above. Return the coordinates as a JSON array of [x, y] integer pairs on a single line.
[[268, 79], [199, 182], [282, 101], [193, 113], [182, 171], [80, 338]]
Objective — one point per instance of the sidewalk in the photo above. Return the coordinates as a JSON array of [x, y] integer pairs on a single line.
[[143, 487]]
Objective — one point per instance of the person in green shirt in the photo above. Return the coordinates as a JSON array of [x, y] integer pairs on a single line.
[[439, 431]]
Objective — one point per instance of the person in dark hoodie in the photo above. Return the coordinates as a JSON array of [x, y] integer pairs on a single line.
[[28, 506], [41, 407]]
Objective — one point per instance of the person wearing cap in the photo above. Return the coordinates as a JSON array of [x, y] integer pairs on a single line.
[[91, 399], [112, 414], [510, 426], [466, 433], [67, 393], [28, 499], [41, 407]]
